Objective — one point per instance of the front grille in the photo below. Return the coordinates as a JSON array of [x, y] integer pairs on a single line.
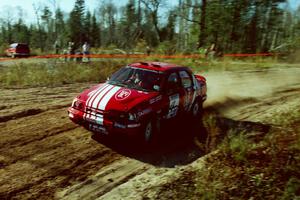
[[91, 110], [112, 115]]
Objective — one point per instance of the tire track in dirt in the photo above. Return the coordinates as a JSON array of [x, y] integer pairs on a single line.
[[31, 101], [40, 152], [105, 180], [32, 111], [268, 109], [28, 129], [51, 163], [23, 113], [43, 152]]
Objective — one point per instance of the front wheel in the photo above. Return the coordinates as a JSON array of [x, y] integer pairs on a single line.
[[148, 132]]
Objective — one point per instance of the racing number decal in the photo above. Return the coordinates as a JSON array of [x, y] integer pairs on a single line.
[[173, 106], [188, 100]]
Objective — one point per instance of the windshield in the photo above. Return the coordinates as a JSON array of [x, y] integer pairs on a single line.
[[140, 79]]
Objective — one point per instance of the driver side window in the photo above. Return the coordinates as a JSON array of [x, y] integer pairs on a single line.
[[172, 83], [185, 79]]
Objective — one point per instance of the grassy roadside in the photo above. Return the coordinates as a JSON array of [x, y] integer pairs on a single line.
[[250, 169], [52, 73], [246, 166]]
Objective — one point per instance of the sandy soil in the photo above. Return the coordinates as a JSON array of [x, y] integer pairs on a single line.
[[43, 155]]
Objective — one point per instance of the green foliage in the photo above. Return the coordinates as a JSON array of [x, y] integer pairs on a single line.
[[237, 146], [235, 26], [167, 48], [291, 190], [141, 46], [75, 23]]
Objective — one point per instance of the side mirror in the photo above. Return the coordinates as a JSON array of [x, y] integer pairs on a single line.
[[156, 87]]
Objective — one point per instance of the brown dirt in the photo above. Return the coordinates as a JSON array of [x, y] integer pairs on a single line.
[[43, 155]]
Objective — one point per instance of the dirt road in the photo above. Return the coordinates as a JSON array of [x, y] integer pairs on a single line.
[[43, 155]]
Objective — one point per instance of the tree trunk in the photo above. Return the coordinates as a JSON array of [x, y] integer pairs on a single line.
[[202, 35]]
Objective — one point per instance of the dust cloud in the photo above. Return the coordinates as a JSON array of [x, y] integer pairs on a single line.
[[249, 84]]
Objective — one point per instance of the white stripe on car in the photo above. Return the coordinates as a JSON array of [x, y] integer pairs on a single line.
[[92, 97], [100, 96], [107, 97]]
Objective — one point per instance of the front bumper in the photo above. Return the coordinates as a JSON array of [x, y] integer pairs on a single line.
[[102, 125]]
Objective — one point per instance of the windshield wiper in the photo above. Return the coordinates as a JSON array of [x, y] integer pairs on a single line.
[[117, 83], [137, 87]]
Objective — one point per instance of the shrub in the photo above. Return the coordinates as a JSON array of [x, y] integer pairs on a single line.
[[237, 146]]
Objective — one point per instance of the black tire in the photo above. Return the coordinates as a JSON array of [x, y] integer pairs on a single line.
[[197, 107], [147, 132]]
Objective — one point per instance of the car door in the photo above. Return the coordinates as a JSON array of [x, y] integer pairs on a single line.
[[189, 93], [173, 96]]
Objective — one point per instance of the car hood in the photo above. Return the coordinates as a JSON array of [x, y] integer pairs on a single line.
[[110, 97]]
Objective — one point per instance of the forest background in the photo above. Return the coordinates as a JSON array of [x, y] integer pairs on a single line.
[[231, 26]]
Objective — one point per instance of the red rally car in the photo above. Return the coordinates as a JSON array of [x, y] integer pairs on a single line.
[[138, 97]]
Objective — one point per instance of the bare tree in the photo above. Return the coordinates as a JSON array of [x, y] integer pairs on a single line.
[[37, 11], [200, 8], [54, 6], [153, 7]]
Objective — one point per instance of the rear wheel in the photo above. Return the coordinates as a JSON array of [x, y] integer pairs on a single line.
[[196, 108]]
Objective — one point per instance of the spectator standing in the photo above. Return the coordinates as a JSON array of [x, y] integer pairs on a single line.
[[148, 51], [202, 52], [56, 47], [86, 50], [211, 53], [71, 49]]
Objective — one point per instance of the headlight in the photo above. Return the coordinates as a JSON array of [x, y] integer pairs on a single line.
[[77, 104], [133, 117]]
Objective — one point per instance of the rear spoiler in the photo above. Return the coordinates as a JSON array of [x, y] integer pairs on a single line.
[[199, 77]]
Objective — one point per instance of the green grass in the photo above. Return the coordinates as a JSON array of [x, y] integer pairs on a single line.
[[246, 168], [53, 74], [237, 145]]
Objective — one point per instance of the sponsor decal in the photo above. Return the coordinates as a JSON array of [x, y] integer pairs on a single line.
[[122, 94], [117, 125], [144, 112], [133, 125], [97, 128], [155, 99], [173, 106]]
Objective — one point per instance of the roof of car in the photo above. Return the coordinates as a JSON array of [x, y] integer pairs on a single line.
[[158, 66], [16, 44]]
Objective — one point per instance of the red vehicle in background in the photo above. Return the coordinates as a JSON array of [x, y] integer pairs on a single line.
[[138, 98], [18, 50]]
